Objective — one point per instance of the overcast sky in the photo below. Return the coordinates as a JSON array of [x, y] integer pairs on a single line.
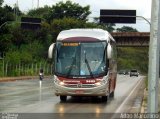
[[142, 7]]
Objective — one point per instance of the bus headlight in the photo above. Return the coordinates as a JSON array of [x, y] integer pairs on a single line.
[[61, 83], [102, 81], [98, 83], [57, 81]]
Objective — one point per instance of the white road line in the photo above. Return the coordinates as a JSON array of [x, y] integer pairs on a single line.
[[126, 99]]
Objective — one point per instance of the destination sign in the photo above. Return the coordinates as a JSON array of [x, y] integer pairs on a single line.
[[70, 44]]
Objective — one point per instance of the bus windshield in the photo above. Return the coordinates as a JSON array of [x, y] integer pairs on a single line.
[[80, 59]]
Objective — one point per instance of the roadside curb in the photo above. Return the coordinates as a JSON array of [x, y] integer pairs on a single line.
[[144, 102]]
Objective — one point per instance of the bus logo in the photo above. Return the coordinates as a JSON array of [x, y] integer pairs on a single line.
[[79, 85]]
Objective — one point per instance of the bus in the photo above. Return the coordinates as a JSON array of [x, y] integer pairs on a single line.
[[84, 63]]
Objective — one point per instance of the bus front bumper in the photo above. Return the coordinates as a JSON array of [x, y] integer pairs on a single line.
[[102, 90]]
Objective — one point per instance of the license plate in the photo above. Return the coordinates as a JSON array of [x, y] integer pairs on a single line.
[[79, 91]]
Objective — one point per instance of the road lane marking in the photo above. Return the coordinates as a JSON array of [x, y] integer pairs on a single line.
[[121, 106], [126, 99]]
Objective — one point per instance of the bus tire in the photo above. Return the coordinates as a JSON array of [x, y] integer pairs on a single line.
[[63, 98], [111, 94], [104, 98]]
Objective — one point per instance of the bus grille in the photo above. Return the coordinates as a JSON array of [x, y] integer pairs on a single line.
[[80, 86]]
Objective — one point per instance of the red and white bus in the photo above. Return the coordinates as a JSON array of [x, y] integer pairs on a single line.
[[84, 63]]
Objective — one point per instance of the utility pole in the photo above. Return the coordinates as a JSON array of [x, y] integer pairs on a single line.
[[153, 73], [32, 4], [16, 10], [38, 4]]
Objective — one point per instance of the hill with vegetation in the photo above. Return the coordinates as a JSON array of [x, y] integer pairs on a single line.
[[133, 58]]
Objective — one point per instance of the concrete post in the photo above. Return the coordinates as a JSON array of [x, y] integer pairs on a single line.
[[153, 73]]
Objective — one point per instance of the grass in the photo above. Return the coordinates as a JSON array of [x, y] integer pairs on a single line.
[[146, 83]]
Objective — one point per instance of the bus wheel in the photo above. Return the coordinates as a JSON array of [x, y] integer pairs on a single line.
[[63, 98], [104, 98], [111, 94]]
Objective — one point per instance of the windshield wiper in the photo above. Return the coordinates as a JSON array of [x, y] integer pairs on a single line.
[[89, 68], [104, 60], [104, 53], [71, 66]]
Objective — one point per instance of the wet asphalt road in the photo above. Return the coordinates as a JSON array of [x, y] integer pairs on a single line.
[[29, 96]]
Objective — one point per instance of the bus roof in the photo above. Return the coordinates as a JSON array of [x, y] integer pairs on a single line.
[[93, 33]]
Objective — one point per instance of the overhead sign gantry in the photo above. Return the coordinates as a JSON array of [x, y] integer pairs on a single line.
[[117, 16]]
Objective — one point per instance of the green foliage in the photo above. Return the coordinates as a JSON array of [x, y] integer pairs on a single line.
[[64, 24], [68, 9], [58, 25], [1, 2], [13, 56], [5, 42], [41, 12], [146, 82], [109, 27], [94, 25], [1, 67], [106, 26], [126, 29], [13, 73], [6, 14], [133, 58], [26, 57], [34, 51]]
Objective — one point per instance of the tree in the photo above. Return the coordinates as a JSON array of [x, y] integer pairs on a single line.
[[16, 11], [126, 29], [1, 2], [58, 25], [68, 9], [39, 12], [5, 42], [106, 26], [94, 25], [6, 14]]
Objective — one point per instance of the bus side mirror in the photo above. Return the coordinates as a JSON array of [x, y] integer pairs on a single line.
[[109, 51], [50, 50]]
